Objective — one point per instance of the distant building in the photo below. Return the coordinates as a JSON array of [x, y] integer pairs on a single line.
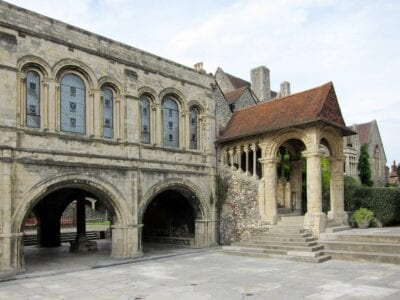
[[367, 133], [393, 175]]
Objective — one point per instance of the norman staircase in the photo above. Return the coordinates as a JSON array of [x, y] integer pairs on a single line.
[[286, 240], [362, 247]]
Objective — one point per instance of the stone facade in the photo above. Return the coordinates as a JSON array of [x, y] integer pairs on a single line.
[[122, 172], [367, 133], [85, 117]]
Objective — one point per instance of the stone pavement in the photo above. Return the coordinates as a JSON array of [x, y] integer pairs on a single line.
[[213, 275]]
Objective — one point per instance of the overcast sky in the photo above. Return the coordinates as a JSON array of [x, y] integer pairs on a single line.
[[355, 44]]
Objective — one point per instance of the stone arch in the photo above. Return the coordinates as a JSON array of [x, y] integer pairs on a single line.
[[176, 94], [68, 64], [35, 62], [196, 104], [149, 92], [334, 142], [172, 183], [96, 185], [111, 82], [271, 149]]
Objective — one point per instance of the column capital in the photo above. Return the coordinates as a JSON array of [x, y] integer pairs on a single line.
[[319, 154], [268, 160], [246, 148], [253, 147], [231, 151]]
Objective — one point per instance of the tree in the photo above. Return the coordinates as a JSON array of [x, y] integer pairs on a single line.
[[398, 170], [364, 167]]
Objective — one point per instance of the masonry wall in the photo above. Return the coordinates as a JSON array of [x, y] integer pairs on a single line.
[[247, 99], [240, 214]]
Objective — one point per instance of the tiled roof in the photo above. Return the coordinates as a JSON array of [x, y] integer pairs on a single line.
[[363, 131], [236, 81], [317, 104], [233, 96]]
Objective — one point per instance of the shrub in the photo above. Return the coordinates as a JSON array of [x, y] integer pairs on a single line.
[[363, 214], [384, 202]]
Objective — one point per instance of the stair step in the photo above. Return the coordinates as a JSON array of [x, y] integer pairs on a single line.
[[363, 256], [255, 250], [337, 229], [369, 238], [284, 239], [318, 259], [301, 243], [279, 247], [362, 246]]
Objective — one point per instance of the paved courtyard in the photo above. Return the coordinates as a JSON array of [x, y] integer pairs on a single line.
[[213, 275]]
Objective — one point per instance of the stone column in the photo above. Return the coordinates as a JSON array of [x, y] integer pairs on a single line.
[[97, 115], [159, 128], [81, 244], [239, 153], [296, 184], [315, 219], [337, 213], [231, 152], [126, 241], [44, 105], [204, 233], [253, 147], [269, 181], [246, 151]]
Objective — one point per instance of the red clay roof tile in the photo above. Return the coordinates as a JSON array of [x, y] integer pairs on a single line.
[[317, 104], [233, 96]]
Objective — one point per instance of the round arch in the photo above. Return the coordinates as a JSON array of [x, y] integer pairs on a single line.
[[282, 136], [98, 186], [196, 104], [111, 82], [175, 183], [35, 62], [334, 142], [66, 65], [176, 94], [147, 91]]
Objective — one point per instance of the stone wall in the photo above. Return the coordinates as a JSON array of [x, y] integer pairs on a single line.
[[240, 214], [222, 110], [247, 99]]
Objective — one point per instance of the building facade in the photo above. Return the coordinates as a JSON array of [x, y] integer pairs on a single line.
[[85, 118]]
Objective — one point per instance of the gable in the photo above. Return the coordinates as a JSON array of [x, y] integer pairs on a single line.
[[330, 110]]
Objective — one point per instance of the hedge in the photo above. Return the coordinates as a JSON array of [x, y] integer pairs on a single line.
[[384, 202]]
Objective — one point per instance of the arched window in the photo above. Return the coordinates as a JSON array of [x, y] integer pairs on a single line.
[[108, 118], [377, 161], [145, 119], [194, 121], [73, 108], [171, 122], [32, 99]]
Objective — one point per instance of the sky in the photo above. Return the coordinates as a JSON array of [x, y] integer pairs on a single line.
[[354, 43]]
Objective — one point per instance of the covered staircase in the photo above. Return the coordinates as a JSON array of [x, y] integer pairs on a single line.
[[286, 240]]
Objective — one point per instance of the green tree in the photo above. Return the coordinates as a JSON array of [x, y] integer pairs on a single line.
[[398, 170], [364, 167]]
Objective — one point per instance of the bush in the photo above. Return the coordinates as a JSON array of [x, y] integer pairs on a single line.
[[350, 186], [384, 202], [363, 214]]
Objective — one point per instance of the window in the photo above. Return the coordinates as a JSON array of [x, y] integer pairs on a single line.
[[194, 120], [32, 99], [171, 122], [73, 104], [145, 119], [108, 131]]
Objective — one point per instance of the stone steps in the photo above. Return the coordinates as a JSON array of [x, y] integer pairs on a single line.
[[371, 248], [31, 239], [286, 240]]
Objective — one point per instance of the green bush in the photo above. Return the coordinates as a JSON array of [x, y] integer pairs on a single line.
[[363, 214], [350, 186], [384, 202]]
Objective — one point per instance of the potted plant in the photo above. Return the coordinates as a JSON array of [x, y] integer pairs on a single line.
[[363, 217]]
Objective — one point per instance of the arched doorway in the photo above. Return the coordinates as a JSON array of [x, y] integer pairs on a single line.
[[48, 205], [174, 216]]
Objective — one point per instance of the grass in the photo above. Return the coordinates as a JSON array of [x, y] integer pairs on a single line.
[[107, 223]]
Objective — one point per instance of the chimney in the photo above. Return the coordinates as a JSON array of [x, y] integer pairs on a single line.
[[285, 89], [260, 83], [198, 67]]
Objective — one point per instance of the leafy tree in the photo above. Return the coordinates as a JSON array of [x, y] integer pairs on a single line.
[[364, 167]]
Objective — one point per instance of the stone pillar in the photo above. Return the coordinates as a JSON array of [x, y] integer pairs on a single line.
[[253, 147], [246, 151], [126, 241], [239, 153], [97, 116], [231, 152], [159, 124], [315, 219], [204, 233], [337, 213], [81, 244], [270, 182], [296, 184], [6, 235]]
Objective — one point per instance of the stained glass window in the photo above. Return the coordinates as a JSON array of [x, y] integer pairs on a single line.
[[145, 119], [193, 128], [73, 106], [171, 122], [108, 130], [32, 99]]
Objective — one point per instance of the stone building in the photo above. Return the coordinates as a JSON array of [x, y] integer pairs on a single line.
[[393, 175], [85, 118], [366, 133]]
